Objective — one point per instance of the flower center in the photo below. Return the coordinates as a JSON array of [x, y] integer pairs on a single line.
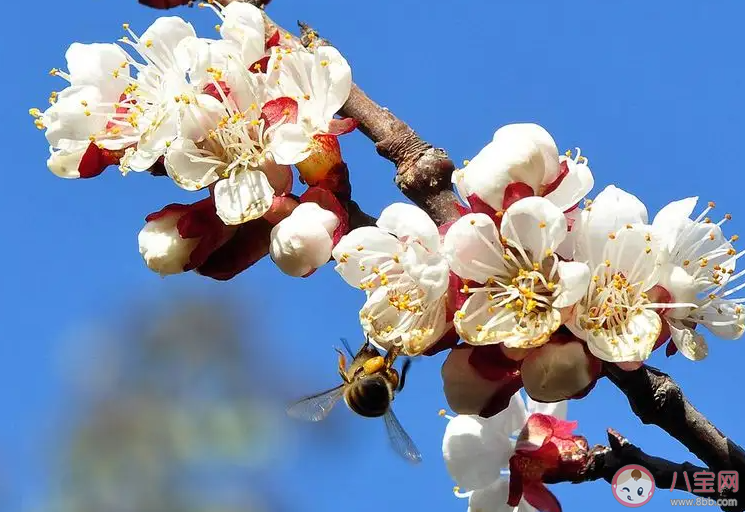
[[611, 302]]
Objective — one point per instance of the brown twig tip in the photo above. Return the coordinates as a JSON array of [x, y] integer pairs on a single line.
[[309, 37]]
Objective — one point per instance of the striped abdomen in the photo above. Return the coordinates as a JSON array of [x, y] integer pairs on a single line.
[[370, 396]]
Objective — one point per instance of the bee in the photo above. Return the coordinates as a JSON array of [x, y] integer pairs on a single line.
[[369, 385]]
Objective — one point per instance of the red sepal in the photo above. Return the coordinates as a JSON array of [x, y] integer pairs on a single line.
[[490, 363], [462, 210], [478, 205], [273, 40], [514, 192], [165, 4], [342, 126], [281, 109], [337, 182], [260, 66], [563, 171], [211, 89], [248, 245], [96, 159], [671, 349]]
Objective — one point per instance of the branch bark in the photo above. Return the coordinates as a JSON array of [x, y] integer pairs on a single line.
[[605, 461]]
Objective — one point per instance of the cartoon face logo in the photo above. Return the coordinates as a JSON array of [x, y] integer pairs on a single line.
[[633, 486]]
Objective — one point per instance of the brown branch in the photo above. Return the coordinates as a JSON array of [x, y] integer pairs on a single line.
[[605, 461], [657, 399]]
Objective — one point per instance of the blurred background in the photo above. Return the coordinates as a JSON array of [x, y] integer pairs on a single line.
[[124, 392]]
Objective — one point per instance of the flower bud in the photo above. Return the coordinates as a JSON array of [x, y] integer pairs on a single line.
[[558, 371], [514, 165], [479, 380], [303, 241], [181, 237], [161, 245]]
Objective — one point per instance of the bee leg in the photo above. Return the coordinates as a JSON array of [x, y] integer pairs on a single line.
[[404, 371], [391, 356], [342, 365]]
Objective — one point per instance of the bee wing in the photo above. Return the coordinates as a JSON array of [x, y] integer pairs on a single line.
[[400, 440], [316, 407]]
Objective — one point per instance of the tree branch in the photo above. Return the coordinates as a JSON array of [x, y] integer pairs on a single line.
[[657, 399], [605, 461]]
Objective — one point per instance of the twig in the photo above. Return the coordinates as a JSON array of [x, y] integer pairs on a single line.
[[605, 461]]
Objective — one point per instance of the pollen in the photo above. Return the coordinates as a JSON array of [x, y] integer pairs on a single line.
[[125, 26], [473, 222], [686, 263], [499, 214], [149, 43], [288, 36], [628, 226], [541, 224], [465, 289], [568, 153], [612, 236], [34, 112], [54, 71], [712, 204], [460, 315], [217, 27], [359, 247], [324, 63], [734, 238], [648, 250], [607, 263], [441, 412]]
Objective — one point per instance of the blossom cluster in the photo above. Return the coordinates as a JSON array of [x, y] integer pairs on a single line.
[[541, 284], [229, 116]]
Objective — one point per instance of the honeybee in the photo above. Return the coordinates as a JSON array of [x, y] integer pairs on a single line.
[[369, 385]]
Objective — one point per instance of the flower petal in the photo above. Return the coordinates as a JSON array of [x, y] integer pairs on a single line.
[[66, 162], [726, 319], [536, 225], [574, 278], [94, 64], [611, 210], [430, 271], [410, 224], [635, 344], [246, 195], [159, 42], [474, 454], [332, 80], [244, 24], [186, 165], [363, 249], [673, 218], [690, 343], [494, 499], [576, 184], [473, 248], [75, 116], [289, 144]]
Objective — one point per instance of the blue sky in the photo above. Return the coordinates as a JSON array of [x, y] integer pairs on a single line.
[[651, 92]]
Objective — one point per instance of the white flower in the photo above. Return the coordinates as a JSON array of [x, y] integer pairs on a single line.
[[522, 160], [616, 317], [320, 82], [302, 242], [525, 285], [400, 267], [698, 267], [477, 452]]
